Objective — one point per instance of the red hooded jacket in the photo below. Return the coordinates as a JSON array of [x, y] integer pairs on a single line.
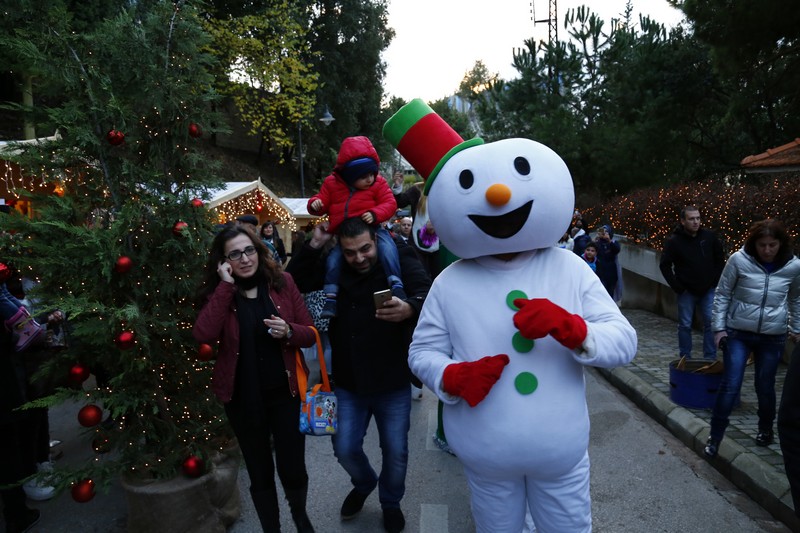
[[340, 201]]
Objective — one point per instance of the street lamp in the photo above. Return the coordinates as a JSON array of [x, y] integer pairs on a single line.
[[326, 119]]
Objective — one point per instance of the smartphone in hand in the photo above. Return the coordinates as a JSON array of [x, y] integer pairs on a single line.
[[381, 297]]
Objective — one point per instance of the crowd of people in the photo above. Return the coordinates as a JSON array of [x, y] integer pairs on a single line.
[[749, 305], [257, 303], [600, 252]]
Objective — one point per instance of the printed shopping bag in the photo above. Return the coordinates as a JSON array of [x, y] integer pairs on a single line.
[[318, 405]]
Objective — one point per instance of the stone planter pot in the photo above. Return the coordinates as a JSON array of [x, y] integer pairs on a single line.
[[207, 504]]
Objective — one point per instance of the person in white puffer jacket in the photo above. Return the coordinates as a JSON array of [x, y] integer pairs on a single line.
[[756, 305]]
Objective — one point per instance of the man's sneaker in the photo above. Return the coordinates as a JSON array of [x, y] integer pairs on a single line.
[[393, 520], [765, 438], [353, 504], [712, 447], [38, 489], [329, 309]]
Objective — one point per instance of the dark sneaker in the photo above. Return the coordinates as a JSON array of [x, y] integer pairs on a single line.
[[393, 520], [329, 309], [352, 504], [765, 438], [712, 447]]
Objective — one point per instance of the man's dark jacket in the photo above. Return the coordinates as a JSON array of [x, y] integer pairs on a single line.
[[692, 263], [369, 355]]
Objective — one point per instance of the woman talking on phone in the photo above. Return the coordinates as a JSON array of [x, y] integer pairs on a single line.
[[258, 317], [756, 304]]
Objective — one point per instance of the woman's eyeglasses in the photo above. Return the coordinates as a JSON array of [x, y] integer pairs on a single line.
[[236, 255]]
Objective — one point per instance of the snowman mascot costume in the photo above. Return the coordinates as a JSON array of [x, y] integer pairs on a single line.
[[507, 330]]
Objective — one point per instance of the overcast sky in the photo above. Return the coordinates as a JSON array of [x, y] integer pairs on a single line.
[[438, 41]]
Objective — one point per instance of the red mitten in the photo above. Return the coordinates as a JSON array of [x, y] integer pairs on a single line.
[[539, 317], [472, 380], [5, 273]]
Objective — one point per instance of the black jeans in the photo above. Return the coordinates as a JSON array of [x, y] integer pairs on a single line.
[[17, 461], [279, 417], [789, 427]]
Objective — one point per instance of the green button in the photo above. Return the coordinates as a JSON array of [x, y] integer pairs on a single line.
[[526, 383], [513, 295], [521, 344]]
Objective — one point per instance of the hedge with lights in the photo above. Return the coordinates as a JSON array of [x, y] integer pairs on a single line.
[[729, 205]]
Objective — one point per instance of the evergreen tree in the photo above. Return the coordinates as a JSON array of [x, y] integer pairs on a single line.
[[121, 247]]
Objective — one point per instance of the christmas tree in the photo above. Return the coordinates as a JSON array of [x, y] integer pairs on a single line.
[[117, 235]]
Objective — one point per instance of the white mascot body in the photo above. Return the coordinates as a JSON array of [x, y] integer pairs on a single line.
[[500, 207]]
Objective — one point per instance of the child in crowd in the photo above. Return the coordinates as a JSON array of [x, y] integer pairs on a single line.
[[355, 189], [590, 256], [16, 317]]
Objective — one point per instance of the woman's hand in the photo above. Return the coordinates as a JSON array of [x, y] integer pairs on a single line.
[[718, 336], [278, 327], [225, 271]]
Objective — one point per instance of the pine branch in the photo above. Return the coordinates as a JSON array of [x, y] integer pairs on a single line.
[[98, 130]]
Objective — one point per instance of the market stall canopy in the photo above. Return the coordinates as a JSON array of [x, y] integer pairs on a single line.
[[241, 197]]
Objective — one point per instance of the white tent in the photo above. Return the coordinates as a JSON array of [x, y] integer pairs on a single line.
[[251, 197]]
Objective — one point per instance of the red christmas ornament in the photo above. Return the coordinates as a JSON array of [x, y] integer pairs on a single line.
[[115, 137], [195, 130], [90, 416], [205, 352], [197, 202], [123, 264], [83, 491], [178, 228], [125, 340], [193, 466], [78, 374]]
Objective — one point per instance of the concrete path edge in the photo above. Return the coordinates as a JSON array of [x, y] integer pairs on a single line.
[[746, 470]]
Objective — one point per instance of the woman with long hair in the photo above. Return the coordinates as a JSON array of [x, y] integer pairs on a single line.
[[756, 304], [257, 315]]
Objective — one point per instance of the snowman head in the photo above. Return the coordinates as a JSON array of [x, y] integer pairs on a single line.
[[485, 199]]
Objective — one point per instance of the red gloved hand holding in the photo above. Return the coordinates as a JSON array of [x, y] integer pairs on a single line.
[[472, 380], [539, 317]]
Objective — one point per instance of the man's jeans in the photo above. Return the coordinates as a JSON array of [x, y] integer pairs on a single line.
[[686, 305], [767, 351], [392, 412]]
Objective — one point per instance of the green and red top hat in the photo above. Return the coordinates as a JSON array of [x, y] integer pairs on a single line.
[[424, 139]]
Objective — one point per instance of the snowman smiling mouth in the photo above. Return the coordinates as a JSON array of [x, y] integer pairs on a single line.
[[503, 226]]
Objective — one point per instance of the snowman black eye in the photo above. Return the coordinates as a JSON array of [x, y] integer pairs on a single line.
[[466, 179], [522, 166]]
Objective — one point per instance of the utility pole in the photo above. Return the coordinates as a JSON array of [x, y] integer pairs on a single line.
[[552, 27]]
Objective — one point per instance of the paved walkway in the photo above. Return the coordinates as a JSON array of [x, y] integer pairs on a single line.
[[756, 470]]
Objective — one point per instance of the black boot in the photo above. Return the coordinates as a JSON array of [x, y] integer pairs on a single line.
[[297, 504], [266, 504]]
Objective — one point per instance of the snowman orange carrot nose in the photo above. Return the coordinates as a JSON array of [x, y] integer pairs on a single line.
[[498, 194]]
